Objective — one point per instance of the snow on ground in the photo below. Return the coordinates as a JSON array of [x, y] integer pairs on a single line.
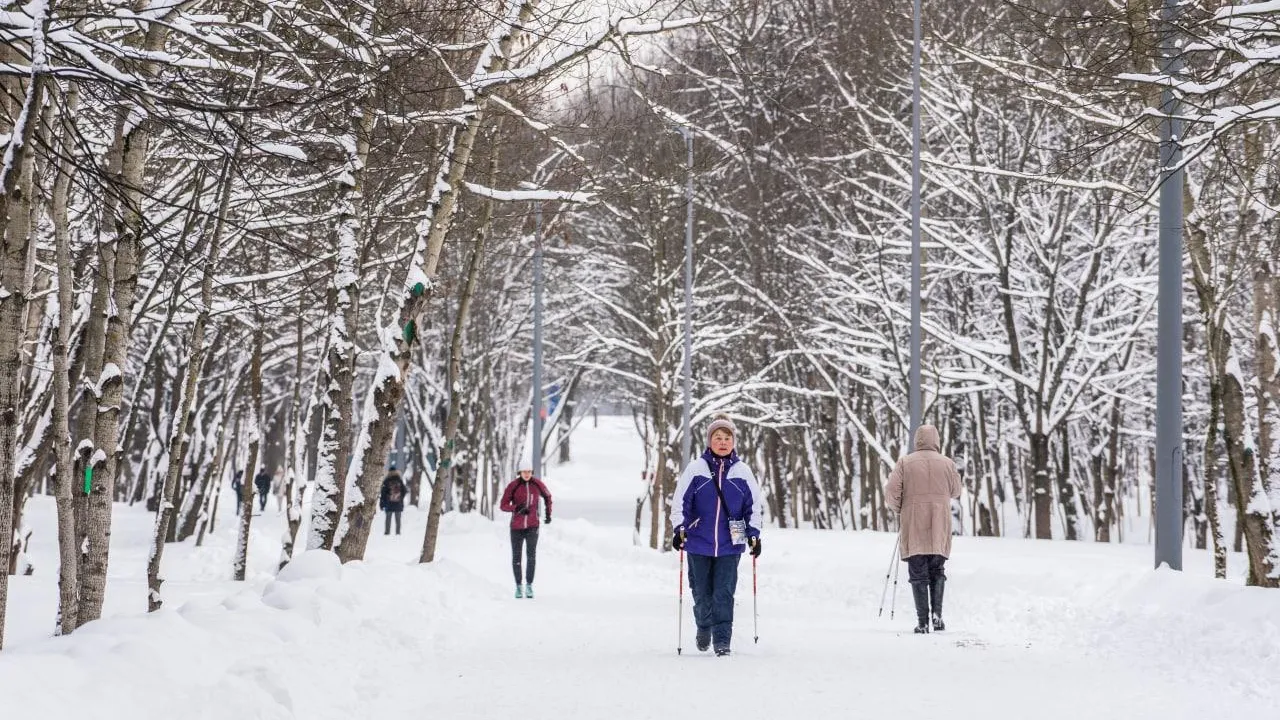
[[1041, 629]]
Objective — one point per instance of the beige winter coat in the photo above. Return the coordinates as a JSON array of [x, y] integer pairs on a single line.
[[921, 488]]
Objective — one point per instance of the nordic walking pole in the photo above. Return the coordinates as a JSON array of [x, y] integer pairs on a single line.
[[893, 604], [755, 599], [887, 571], [680, 625]]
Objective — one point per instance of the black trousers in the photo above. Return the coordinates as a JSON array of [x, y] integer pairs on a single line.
[[925, 568], [390, 513], [528, 540]]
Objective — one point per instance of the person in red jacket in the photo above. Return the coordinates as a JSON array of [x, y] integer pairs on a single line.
[[522, 498]]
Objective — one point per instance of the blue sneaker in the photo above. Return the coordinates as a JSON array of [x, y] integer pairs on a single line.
[[519, 592], [528, 591]]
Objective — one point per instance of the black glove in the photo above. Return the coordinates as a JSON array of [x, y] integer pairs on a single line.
[[522, 510], [754, 544], [547, 519], [678, 539]]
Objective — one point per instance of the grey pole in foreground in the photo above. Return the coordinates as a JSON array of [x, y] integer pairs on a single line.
[[916, 400], [687, 442], [1169, 325], [537, 341]]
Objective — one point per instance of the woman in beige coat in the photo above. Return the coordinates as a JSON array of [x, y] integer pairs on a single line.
[[921, 488]]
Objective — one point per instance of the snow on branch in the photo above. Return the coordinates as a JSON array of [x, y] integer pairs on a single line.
[[680, 120], [530, 195]]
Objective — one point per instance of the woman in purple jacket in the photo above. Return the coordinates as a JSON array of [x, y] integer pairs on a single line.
[[716, 514], [521, 499]]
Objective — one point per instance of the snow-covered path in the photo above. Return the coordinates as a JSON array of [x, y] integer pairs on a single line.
[[1048, 630]]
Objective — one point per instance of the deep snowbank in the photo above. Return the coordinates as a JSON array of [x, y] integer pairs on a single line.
[[311, 643]]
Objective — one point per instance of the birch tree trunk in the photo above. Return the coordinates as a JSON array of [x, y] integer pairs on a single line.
[[1254, 510], [251, 467], [335, 524], [330, 499], [1211, 478], [1266, 308], [132, 142], [1254, 517], [444, 475], [1041, 485], [336, 388], [15, 244], [294, 489], [68, 555]]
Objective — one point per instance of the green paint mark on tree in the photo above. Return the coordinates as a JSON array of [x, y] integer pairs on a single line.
[[88, 480]]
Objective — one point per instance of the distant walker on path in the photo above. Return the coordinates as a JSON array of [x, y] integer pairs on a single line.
[[392, 498], [263, 481], [521, 499], [921, 488]]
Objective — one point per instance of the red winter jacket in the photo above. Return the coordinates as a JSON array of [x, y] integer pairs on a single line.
[[526, 493]]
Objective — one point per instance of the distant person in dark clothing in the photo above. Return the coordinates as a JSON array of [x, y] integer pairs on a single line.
[[237, 487], [263, 481], [392, 498], [521, 499]]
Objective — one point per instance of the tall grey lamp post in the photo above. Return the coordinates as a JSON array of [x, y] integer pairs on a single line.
[[687, 437], [915, 401], [1169, 509]]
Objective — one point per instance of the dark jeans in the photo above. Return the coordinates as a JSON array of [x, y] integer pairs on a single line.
[[396, 513], [713, 580], [262, 499], [529, 539], [925, 568]]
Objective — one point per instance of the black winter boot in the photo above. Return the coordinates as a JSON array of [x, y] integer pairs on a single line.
[[921, 593], [935, 592]]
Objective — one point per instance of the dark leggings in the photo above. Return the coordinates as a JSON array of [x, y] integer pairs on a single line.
[[528, 538], [926, 568]]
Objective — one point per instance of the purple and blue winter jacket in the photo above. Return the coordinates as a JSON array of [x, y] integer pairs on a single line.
[[698, 509]]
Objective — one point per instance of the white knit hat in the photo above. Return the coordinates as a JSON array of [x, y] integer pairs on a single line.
[[722, 422]]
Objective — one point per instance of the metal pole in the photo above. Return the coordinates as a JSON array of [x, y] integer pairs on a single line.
[[537, 341], [915, 401], [680, 620], [1169, 326], [687, 442]]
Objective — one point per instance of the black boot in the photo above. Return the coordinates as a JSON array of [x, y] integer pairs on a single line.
[[921, 593], [935, 592], [704, 639]]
